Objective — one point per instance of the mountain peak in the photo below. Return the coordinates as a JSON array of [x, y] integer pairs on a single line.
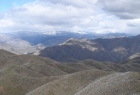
[[73, 41]]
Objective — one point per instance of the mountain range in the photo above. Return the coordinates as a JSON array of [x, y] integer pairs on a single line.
[[113, 47], [24, 42], [100, 49]]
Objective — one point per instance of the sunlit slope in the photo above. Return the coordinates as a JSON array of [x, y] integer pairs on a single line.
[[127, 83], [69, 84]]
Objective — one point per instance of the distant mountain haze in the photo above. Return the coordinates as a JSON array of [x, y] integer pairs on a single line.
[[54, 38]]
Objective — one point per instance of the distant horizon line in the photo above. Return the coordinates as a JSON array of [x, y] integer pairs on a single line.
[[53, 32]]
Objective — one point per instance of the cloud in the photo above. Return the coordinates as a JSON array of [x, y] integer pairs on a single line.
[[134, 23], [69, 15], [124, 9], [75, 3], [43, 15]]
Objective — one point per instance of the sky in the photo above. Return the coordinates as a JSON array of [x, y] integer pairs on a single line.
[[81, 16]]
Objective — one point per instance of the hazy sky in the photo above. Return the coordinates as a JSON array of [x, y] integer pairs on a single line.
[[100, 16]]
